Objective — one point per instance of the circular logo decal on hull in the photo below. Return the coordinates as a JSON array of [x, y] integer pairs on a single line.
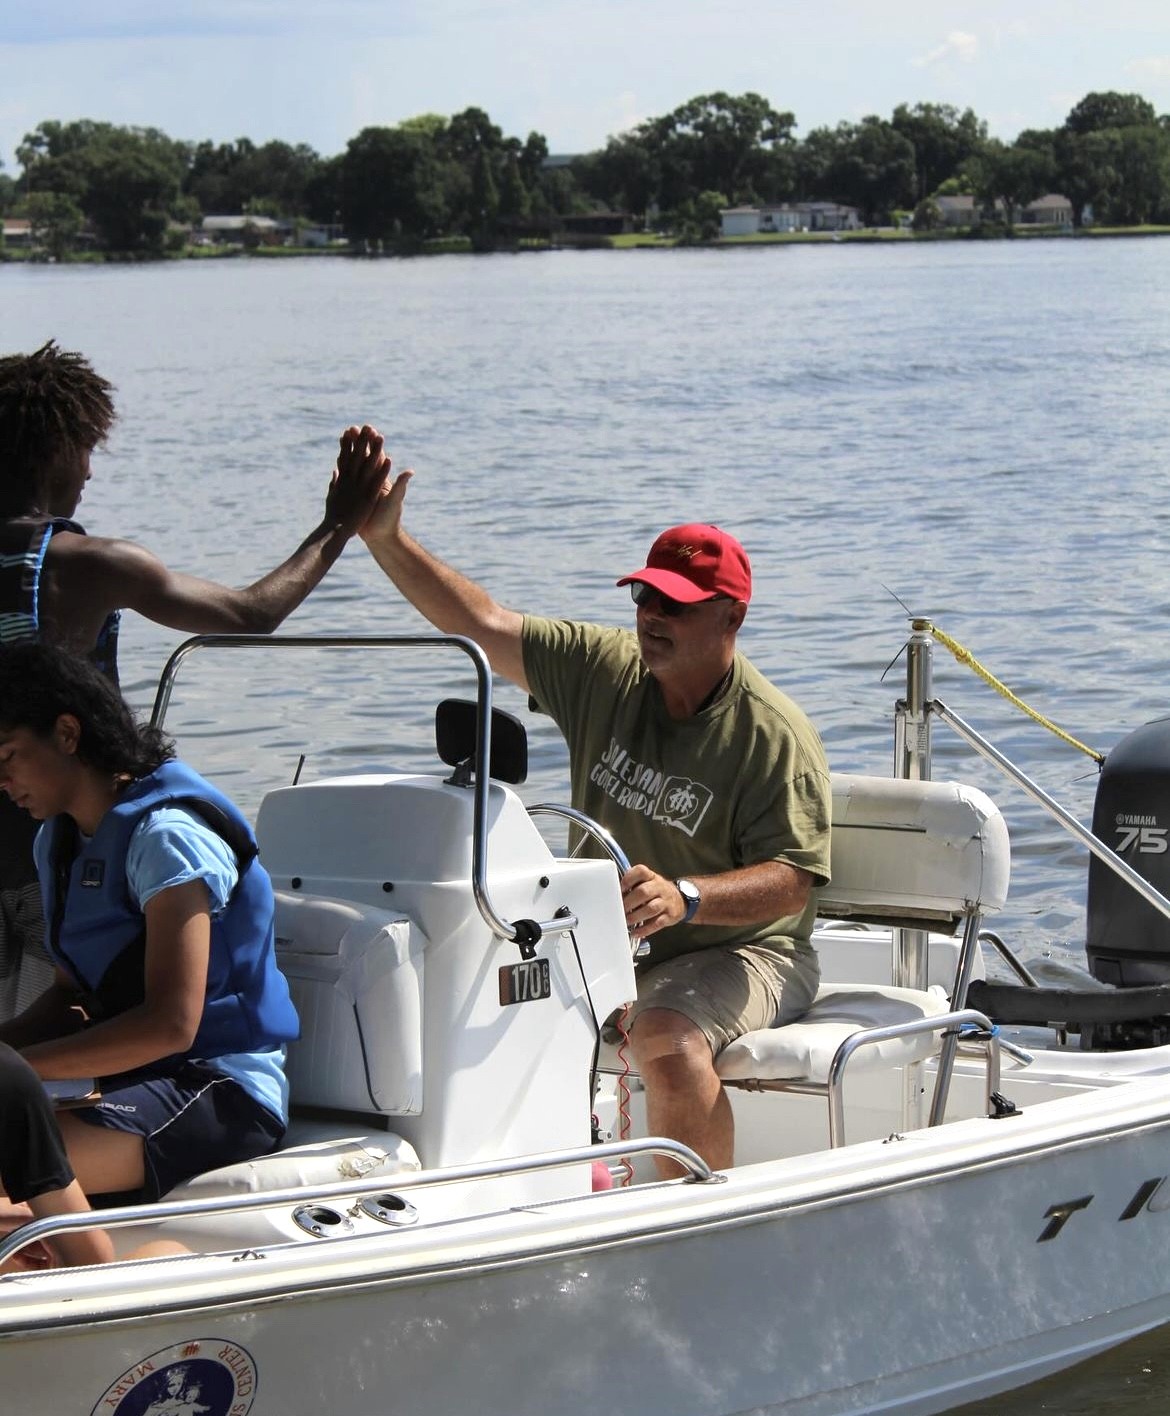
[[206, 1376]]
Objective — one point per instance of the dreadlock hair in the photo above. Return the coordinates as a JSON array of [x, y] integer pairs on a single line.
[[52, 405], [40, 682]]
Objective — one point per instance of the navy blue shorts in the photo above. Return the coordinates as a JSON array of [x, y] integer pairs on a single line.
[[191, 1118]]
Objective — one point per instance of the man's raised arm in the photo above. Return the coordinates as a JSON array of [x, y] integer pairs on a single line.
[[450, 601]]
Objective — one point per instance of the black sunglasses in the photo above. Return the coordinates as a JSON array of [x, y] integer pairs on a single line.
[[643, 594]]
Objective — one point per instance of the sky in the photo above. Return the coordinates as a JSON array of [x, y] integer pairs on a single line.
[[577, 71]]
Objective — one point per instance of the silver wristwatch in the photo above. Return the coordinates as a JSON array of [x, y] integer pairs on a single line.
[[691, 898]]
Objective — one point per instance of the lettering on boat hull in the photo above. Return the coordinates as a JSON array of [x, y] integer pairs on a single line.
[[1151, 1197], [206, 1376]]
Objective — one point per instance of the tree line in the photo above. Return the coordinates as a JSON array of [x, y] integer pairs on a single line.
[[136, 190]]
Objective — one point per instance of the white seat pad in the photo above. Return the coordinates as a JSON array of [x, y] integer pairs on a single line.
[[313, 1162], [803, 1051]]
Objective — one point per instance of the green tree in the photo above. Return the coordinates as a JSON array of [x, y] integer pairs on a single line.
[[1113, 153], [1085, 172], [235, 178], [514, 204], [869, 165], [1110, 110], [485, 202], [389, 190], [927, 215], [942, 138], [323, 192], [532, 158], [1011, 175], [715, 142], [699, 219], [56, 222], [468, 134], [1141, 159], [133, 182], [125, 180], [625, 175], [556, 193], [432, 126]]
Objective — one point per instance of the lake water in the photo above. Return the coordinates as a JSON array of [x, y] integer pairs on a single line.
[[980, 429]]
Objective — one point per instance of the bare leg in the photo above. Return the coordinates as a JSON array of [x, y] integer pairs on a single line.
[[90, 1246], [103, 1160], [107, 1160], [685, 1099], [36, 1166], [159, 1249]]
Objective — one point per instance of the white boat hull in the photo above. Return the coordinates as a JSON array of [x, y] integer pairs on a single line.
[[754, 1293], [913, 1269]]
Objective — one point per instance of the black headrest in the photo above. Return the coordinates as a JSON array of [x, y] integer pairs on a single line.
[[455, 739]]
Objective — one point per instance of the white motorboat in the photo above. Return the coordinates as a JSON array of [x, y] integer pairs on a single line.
[[923, 1211]]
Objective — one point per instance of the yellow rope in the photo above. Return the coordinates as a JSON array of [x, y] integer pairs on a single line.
[[964, 656]]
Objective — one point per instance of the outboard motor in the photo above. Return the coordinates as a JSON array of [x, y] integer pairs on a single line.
[[1127, 941]]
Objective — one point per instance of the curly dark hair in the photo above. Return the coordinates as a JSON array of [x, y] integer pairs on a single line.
[[40, 682], [52, 405]]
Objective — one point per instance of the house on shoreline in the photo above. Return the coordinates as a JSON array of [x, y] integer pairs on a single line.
[[958, 212], [788, 217], [965, 210], [265, 231], [1050, 210], [16, 233], [239, 231]]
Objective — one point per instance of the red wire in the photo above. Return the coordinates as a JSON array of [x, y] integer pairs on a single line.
[[623, 1091]]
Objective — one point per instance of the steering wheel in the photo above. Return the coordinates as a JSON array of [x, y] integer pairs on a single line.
[[604, 839]]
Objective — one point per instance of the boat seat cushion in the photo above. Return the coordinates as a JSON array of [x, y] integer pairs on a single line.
[[802, 1051], [313, 1159]]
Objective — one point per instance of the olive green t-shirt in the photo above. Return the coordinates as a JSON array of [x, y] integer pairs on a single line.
[[742, 782]]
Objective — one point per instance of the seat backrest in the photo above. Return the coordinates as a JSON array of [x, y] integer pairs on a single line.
[[916, 854], [355, 974]]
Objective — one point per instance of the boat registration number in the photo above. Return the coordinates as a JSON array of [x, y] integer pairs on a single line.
[[525, 982]]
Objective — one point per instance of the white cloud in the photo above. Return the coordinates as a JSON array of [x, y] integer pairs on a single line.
[[1017, 29], [1155, 67], [959, 44]]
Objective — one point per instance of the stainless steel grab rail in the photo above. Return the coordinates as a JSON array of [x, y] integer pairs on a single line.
[[125, 1216], [501, 927], [1070, 823]]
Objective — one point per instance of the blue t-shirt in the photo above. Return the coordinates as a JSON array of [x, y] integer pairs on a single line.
[[170, 846]]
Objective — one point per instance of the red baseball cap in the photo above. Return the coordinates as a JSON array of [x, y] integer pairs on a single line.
[[696, 562]]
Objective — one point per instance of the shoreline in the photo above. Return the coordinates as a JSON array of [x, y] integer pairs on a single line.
[[633, 241]]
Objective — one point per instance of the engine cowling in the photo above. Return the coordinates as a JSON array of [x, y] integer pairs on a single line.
[[1127, 941]]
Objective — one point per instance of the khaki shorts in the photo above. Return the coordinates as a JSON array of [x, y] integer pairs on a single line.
[[727, 992]]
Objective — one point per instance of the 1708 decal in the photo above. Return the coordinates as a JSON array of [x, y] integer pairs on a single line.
[[206, 1376]]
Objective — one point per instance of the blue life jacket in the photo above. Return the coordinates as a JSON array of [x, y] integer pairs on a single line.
[[98, 934]]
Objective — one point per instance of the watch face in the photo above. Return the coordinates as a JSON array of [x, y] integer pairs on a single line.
[[690, 893]]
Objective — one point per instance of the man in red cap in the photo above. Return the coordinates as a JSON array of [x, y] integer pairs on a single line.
[[712, 780]]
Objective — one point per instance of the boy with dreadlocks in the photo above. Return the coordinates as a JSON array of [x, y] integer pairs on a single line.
[[60, 585]]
